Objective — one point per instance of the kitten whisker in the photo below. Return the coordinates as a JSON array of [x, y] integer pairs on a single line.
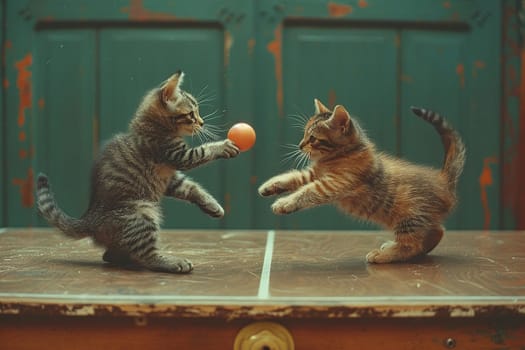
[[213, 115], [209, 134], [302, 119], [296, 156], [200, 94], [298, 121], [205, 100], [306, 159], [292, 146]]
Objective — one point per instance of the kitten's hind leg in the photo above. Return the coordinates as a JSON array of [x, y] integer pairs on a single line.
[[184, 188], [407, 245], [116, 256], [139, 242], [144, 252], [432, 238]]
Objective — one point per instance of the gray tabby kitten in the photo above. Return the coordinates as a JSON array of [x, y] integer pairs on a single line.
[[134, 171]]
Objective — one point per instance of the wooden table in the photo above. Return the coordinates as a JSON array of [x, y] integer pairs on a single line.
[[469, 293]]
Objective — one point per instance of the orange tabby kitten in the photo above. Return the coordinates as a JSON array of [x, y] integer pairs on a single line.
[[348, 171]]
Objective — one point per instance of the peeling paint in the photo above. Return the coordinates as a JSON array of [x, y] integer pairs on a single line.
[[332, 98], [339, 10], [7, 45], [6, 83], [83, 310], [397, 40], [22, 136], [362, 3], [251, 46], [26, 189], [258, 311], [477, 66], [41, 103], [22, 154], [137, 12], [485, 180], [228, 43], [407, 78], [460, 312], [275, 48], [23, 83], [447, 4], [460, 71]]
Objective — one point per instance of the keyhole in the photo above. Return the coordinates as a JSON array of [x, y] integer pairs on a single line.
[[450, 343], [265, 347]]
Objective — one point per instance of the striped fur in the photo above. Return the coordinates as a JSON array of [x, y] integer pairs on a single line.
[[132, 174], [346, 170]]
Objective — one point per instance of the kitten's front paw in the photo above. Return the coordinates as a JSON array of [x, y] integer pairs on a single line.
[[181, 266], [388, 252], [284, 206], [213, 209], [270, 188], [228, 150], [372, 256]]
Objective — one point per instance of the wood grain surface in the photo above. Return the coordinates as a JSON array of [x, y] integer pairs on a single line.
[[244, 274]]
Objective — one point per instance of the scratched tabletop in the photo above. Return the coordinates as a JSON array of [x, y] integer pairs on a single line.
[[254, 274]]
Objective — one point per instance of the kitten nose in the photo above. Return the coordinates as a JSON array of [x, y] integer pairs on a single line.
[[200, 121]]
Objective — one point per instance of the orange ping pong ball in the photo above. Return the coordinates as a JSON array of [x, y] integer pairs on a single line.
[[242, 135]]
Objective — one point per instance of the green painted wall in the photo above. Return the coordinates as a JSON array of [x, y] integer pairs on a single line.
[[76, 71]]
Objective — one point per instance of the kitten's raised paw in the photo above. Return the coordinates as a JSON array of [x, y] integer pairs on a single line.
[[284, 206], [212, 209], [271, 188], [229, 149]]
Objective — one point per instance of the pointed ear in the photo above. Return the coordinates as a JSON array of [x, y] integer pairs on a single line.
[[172, 86], [340, 119], [319, 107]]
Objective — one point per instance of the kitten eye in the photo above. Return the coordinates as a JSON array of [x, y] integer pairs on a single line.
[[312, 139], [324, 143]]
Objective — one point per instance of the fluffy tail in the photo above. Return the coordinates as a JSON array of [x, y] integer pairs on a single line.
[[49, 210], [454, 147]]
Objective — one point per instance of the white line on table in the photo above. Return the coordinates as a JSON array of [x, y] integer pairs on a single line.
[[264, 284]]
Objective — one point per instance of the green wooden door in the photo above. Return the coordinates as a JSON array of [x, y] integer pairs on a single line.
[[75, 72]]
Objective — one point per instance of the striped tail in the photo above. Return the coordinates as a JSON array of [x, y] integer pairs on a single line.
[[49, 210], [454, 147]]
